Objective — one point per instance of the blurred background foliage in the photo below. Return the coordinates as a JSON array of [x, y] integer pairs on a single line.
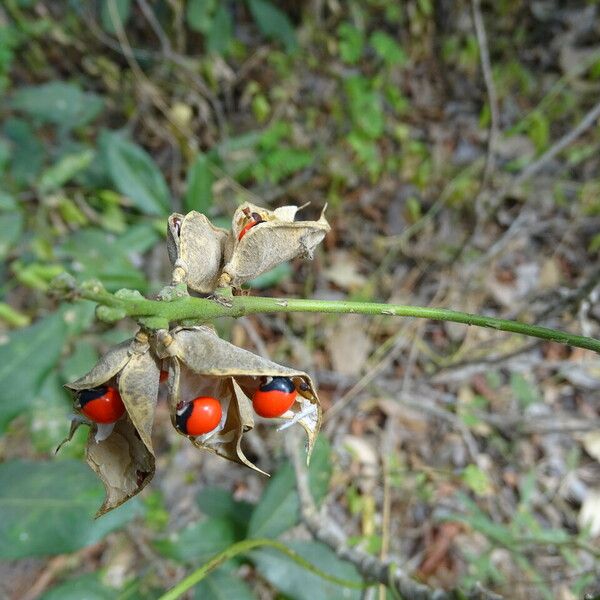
[[115, 113]]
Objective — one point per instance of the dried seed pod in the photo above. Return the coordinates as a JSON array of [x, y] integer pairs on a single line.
[[195, 248], [121, 453], [262, 239], [123, 463], [203, 364], [135, 372]]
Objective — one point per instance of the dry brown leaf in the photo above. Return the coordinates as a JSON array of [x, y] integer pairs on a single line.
[[591, 443], [195, 249], [349, 346], [276, 239], [589, 513], [344, 272]]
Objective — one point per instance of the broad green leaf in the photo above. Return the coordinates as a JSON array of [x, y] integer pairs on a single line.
[[86, 587], [50, 414], [199, 14], [135, 174], [64, 170], [4, 154], [27, 152], [94, 253], [199, 541], [200, 179], [299, 584], [47, 508], [221, 585], [11, 226], [121, 10], [26, 358], [272, 277], [273, 22], [220, 33], [59, 103], [80, 360], [137, 238], [278, 509], [216, 502]]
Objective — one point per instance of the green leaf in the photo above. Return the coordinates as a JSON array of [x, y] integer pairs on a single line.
[[199, 541], [525, 391], [299, 584], [476, 479], [278, 509], [221, 585], [273, 23], [49, 414], [351, 43], [59, 103], [94, 253], [47, 508], [122, 8], [11, 224], [271, 278], [218, 503], [220, 33], [135, 174], [199, 14], [86, 587], [27, 153], [365, 106], [64, 170], [387, 48], [200, 179], [26, 358]]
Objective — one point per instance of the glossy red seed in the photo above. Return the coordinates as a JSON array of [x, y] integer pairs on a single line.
[[205, 415], [272, 403], [107, 408]]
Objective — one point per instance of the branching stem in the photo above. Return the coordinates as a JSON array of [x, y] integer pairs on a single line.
[[202, 310]]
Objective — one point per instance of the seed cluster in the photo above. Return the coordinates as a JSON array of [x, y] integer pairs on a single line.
[[214, 389]]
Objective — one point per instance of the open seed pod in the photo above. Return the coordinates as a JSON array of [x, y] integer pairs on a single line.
[[202, 364], [262, 239], [195, 248], [121, 453]]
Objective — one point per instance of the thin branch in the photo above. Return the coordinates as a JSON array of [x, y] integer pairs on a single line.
[[244, 547], [527, 173], [486, 67], [204, 310], [369, 566]]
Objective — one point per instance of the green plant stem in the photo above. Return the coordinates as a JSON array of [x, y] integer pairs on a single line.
[[202, 310], [242, 548]]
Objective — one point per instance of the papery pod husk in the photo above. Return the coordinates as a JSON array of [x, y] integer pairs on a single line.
[[122, 462], [195, 248], [237, 409], [278, 239], [136, 373], [204, 354]]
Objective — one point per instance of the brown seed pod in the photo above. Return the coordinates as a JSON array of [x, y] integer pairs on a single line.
[[203, 364], [123, 457], [123, 463], [195, 248], [261, 239]]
